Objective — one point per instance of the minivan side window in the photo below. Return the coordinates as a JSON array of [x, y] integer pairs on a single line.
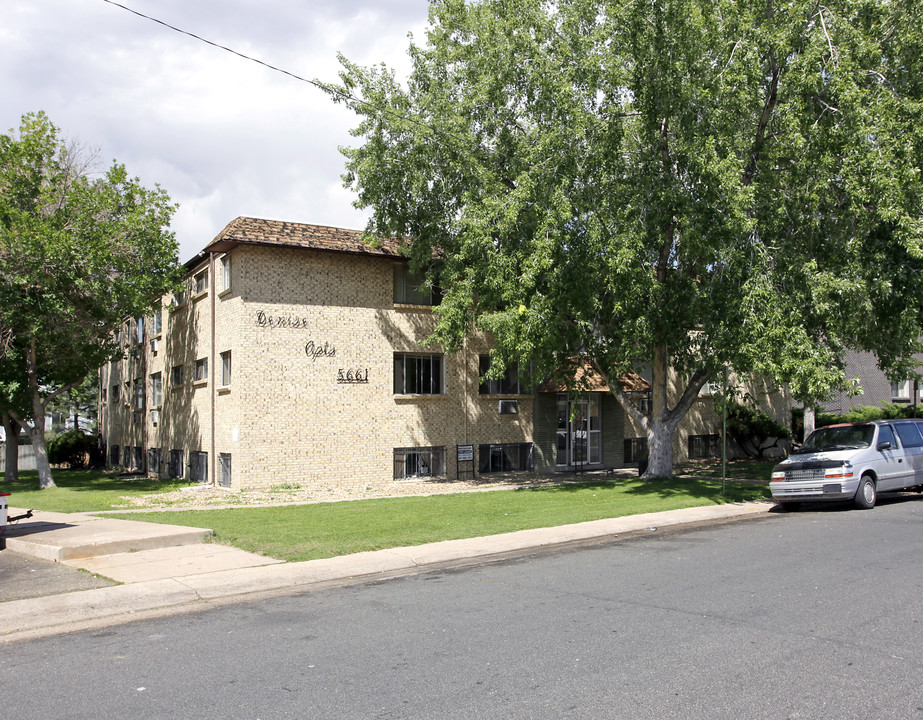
[[909, 435], [885, 434]]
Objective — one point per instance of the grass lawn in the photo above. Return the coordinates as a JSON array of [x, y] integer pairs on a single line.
[[307, 532], [82, 490]]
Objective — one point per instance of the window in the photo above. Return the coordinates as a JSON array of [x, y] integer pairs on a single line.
[[200, 280], [900, 391], [176, 375], [175, 468], [198, 467], [909, 434], [137, 459], [419, 462], [157, 322], [225, 272], [156, 390], [505, 458], [704, 446], [418, 374], [113, 454], [138, 388], [410, 288], [126, 393], [102, 395], [153, 460], [115, 393], [226, 368], [179, 298], [138, 335], [506, 385], [201, 370], [224, 463], [635, 450]]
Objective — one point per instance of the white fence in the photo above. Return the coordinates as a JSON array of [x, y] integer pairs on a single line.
[[26, 457]]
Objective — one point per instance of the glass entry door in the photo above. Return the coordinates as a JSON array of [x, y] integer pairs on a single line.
[[579, 430]]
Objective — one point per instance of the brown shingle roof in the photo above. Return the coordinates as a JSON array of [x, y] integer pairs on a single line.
[[256, 231], [589, 380]]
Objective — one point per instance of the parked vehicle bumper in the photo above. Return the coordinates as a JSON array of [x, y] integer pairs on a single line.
[[785, 491]]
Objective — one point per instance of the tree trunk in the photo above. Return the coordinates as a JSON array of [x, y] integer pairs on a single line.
[[659, 449], [810, 421], [11, 428], [37, 428]]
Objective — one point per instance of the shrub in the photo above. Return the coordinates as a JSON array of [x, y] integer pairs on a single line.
[[752, 429], [72, 448]]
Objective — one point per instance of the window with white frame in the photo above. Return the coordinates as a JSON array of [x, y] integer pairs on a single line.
[[200, 371], [226, 368], [157, 321], [418, 374], [138, 394], [139, 330], [225, 272], [419, 462], [900, 391], [156, 390], [410, 288]]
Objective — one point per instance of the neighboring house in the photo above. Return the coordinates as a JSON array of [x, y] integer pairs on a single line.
[[876, 388], [296, 355]]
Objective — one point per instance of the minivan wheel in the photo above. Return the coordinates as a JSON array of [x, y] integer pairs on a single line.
[[866, 494]]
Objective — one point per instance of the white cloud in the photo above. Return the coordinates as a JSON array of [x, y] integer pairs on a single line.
[[224, 136]]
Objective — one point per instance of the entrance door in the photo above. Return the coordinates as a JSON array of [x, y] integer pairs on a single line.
[[579, 431]]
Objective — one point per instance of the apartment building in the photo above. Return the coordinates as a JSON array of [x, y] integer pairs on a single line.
[[297, 353]]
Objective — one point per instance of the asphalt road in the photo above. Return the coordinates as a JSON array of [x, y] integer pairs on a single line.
[[808, 615]]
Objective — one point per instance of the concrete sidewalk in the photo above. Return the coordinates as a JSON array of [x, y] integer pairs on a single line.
[[167, 568]]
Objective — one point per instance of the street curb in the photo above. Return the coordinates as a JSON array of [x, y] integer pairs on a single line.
[[55, 614]]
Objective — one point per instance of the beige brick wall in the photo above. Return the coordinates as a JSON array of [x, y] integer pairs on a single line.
[[297, 323]]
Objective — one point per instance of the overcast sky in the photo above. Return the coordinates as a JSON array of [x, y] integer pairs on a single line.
[[222, 135]]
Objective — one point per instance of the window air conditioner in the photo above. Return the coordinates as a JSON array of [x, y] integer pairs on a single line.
[[155, 416], [154, 345]]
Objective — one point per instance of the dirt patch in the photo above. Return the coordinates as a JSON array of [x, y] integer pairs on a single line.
[[207, 497]]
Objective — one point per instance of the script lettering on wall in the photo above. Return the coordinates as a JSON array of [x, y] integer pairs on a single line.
[[264, 319], [315, 351]]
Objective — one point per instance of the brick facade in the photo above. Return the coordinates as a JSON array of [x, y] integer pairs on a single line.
[[306, 319]]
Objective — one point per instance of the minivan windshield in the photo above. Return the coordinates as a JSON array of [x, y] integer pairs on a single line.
[[839, 437]]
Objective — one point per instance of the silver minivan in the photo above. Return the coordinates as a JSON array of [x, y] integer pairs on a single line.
[[852, 462]]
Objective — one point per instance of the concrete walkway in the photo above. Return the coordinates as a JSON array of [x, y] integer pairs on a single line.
[[167, 568]]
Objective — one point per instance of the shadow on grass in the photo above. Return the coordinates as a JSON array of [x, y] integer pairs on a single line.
[[92, 481], [694, 487]]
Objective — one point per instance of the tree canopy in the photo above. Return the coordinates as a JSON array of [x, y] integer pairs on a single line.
[[79, 252], [688, 183]]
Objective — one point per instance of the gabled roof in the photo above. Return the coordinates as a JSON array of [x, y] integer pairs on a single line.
[[257, 231], [589, 380]]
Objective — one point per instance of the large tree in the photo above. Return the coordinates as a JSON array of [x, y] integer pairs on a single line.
[[79, 251], [690, 184]]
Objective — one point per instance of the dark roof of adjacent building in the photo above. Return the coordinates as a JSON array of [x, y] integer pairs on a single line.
[[257, 231]]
